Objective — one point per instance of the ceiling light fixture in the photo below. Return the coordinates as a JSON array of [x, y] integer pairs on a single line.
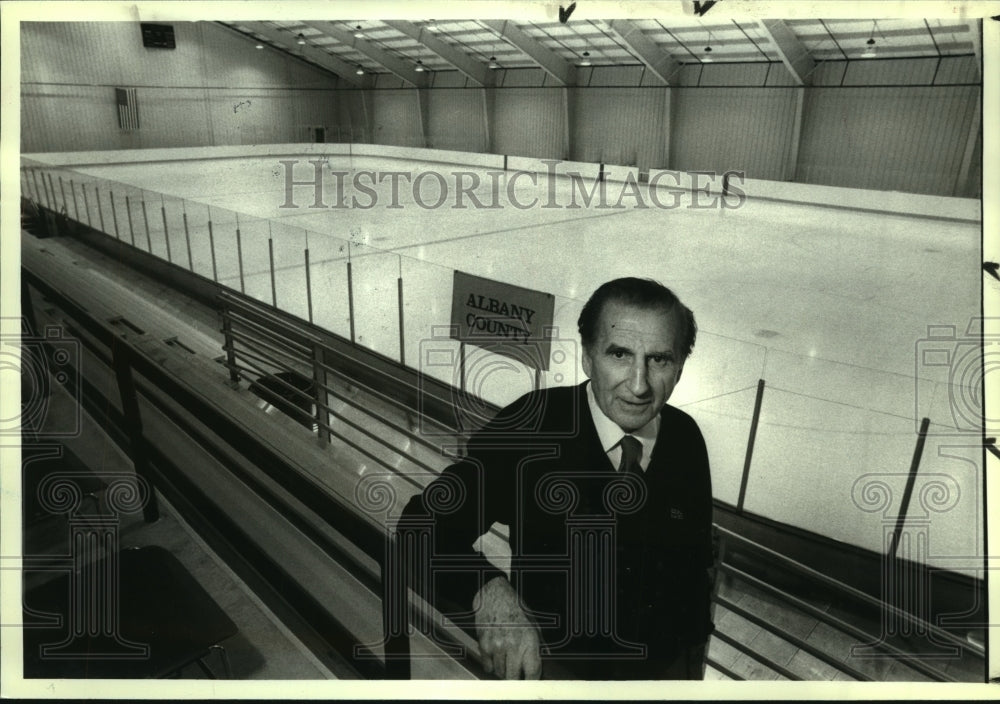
[[302, 40], [493, 62], [586, 59], [360, 71], [260, 46], [708, 49], [358, 34], [420, 66]]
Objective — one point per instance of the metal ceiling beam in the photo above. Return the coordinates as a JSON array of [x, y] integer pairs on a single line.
[[404, 70], [550, 62], [792, 51], [663, 65], [474, 70], [311, 53]]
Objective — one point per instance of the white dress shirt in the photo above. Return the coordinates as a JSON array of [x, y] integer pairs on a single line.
[[610, 434]]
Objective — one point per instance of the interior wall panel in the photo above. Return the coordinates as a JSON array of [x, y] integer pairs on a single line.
[[530, 122], [906, 138], [456, 120], [214, 88], [742, 129], [397, 118], [620, 126]]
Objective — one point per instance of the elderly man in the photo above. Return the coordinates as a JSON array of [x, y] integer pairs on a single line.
[[607, 495]]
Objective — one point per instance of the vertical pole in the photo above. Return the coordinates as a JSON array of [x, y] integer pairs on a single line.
[[350, 296], [187, 239], [76, 208], [230, 346], [239, 254], [750, 443], [145, 221], [166, 230], [62, 193], [399, 304], [133, 424], [34, 180], [911, 479], [52, 190], [128, 214], [270, 255], [320, 395], [211, 243], [461, 368], [100, 213], [86, 204], [309, 300], [114, 214]]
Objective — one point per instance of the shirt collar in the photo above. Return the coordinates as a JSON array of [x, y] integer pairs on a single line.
[[610, 434]]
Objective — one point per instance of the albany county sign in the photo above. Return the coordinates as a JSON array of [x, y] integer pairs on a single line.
[[502, 318]]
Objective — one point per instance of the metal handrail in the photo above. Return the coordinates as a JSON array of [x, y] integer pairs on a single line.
[[831, 620], [762, 659], [233, 304], [791, 638], [804, 570]]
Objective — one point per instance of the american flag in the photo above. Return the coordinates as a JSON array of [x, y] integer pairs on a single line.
[[128, 108]]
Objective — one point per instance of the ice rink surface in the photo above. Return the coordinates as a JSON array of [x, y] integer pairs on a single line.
[[829, 306]]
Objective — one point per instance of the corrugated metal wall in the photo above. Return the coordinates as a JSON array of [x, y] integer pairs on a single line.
[[901, 138], [456, 120], [742, 129], [397, 118], [530, 122], [895, 135], [620, 126], [69, 70]]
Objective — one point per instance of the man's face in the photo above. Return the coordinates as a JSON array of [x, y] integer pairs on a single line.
[[634, 362]]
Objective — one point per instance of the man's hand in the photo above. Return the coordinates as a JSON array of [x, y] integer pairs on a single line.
[[508, 640]]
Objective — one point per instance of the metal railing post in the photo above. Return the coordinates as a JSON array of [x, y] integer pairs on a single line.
[[350, 297], [319, 395], [187, 239], [309, 300], [62, 193], [750, 444], [911, 479], [100, 212], [114, 214], [270, 256], [86, 204], [76, 207], [166, 230], [145, 221], [211, 244], [402, 337], [128, 214], [239, 254], [229, 345]]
